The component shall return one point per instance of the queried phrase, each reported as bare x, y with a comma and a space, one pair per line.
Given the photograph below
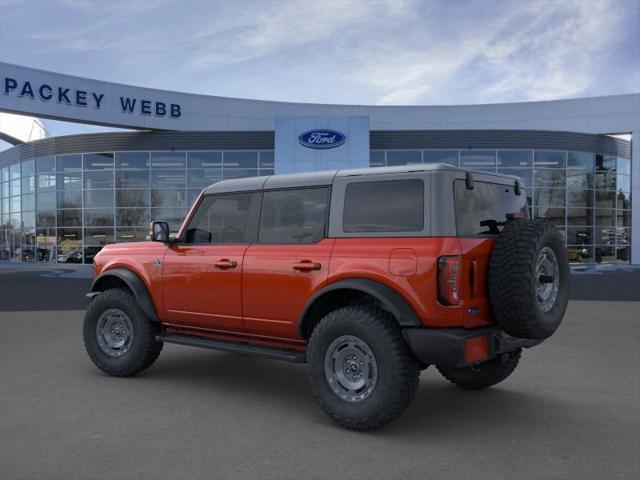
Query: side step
294, 356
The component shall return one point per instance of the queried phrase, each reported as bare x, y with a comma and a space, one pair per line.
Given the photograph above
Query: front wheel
119, 338
484, 375
360, 369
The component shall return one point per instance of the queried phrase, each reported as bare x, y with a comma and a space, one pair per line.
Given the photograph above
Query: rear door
202, 275
289, 261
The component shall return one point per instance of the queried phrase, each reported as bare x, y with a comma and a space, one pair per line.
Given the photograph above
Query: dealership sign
322, 138
65, 95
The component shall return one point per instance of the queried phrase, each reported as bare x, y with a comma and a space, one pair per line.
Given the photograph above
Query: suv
366, 275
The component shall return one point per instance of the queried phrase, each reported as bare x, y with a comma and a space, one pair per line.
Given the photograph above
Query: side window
384, 206
294, 215
227, 218
486, 202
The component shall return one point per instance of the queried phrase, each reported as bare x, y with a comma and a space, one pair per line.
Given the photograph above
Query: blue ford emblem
322, 138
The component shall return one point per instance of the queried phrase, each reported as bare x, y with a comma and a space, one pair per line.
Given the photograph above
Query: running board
294, 356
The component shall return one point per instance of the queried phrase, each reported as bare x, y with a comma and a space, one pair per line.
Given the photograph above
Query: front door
202, 274
288, 263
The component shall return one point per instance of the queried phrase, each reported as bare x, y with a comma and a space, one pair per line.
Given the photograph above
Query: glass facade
65, 208
585, 195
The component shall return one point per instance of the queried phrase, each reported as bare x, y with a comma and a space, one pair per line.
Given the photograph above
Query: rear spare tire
529, 279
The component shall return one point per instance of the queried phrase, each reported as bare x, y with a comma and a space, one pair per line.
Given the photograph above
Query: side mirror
159, 232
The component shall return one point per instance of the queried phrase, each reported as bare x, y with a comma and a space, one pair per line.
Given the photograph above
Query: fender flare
135, 284
388, 298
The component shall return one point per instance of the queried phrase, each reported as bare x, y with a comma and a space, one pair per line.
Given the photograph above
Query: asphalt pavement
570, 411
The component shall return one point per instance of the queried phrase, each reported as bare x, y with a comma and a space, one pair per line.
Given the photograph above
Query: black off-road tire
484, 375
143, 350
513, 281
398, 371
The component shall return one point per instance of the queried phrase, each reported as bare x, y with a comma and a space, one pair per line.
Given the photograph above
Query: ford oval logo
322, 138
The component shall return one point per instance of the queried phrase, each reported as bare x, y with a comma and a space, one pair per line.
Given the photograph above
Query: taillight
449, 280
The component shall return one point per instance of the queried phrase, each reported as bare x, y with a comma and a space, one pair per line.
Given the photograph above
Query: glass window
14, 171
583, 160
239, 172
46, 181
97, 217
623, 218
69, 162
623, 166
515, 158
132, 160
28, 184
487, 201
46, 218
5, 174
606, 180
168, 179
28, 168
132, 179
29, 202
228, 218
98, 199
579, 179
168, 159
478, 159
204, 159
402, 210
605, 163
555, 215
14, 187
580, 254
549, 159
605, 217
98, 161
549, 197
70, 218
98, 179
624, 183
203, 178
549, 178
266, 159
240, 159
579, 216
69, 245
605, 255
169, 198
580, 235
133, 216
376, 158
526, 174
440, 156
14, 204
29, 220
98, 236
192, 196
293, 216
605, 235
623, 254
624, 200
133, 198
67, 199
132, 234
605, 199
46, 201
403, 157
580, 198
71, 180
46, 165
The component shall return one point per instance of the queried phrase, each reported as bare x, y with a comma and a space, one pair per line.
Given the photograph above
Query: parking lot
570, 411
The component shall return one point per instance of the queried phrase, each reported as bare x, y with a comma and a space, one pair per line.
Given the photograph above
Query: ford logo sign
322, 138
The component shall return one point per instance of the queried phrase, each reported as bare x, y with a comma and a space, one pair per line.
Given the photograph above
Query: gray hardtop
326, 178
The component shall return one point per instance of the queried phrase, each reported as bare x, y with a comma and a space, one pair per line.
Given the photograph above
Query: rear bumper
448, 347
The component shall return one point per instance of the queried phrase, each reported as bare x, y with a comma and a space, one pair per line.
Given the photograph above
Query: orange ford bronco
366, 275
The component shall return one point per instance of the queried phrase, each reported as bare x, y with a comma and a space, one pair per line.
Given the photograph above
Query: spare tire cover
529, 279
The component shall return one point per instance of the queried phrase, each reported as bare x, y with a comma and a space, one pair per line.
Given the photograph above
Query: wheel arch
346, 291
123, 277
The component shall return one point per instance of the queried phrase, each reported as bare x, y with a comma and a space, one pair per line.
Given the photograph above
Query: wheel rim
114, 332
547, 278
350, 368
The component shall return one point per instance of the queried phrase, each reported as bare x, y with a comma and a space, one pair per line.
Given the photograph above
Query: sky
393, 52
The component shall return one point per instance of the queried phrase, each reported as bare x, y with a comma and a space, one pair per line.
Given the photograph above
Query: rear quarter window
487, 201
384, 206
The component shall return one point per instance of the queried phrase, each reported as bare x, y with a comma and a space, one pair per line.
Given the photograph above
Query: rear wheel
119, 338
360, 368
484, 375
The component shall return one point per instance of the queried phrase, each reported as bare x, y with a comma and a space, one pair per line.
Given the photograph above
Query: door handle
225, 264
306, 266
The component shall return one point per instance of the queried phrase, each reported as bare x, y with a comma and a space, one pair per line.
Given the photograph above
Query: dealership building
64, 198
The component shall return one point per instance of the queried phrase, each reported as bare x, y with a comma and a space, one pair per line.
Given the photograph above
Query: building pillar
635, 197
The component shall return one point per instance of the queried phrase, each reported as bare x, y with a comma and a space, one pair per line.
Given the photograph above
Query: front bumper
452, 347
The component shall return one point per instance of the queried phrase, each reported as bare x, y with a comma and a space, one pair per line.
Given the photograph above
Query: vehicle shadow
438, 406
